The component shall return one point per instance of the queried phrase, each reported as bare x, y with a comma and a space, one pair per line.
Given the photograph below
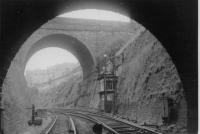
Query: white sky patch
96, 15
48, 57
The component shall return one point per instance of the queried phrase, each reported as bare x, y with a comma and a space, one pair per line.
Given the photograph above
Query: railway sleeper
116, 124
126, 130
120, 127
129, 133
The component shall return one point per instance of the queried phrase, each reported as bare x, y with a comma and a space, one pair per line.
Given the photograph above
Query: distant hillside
41, 76
62, 91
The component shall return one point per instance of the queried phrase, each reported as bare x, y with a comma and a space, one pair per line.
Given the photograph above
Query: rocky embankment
149, 87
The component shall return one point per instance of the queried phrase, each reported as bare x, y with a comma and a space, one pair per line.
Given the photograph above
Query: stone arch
77, 48
17, 95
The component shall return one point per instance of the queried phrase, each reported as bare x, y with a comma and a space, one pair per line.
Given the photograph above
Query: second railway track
112, 124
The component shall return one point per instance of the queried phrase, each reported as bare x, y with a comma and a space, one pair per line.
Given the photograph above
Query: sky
50, 56
96, 15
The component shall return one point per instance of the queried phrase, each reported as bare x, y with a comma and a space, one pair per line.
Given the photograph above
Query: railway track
110, 119
50, 126
61, 124
117, 126
113, 125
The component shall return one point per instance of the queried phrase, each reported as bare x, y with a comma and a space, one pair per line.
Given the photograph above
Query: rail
97, 117
91, 119
116, 119
73, 125
49, 127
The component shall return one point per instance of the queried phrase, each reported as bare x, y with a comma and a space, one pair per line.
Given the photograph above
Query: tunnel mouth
51, 65
69, 43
